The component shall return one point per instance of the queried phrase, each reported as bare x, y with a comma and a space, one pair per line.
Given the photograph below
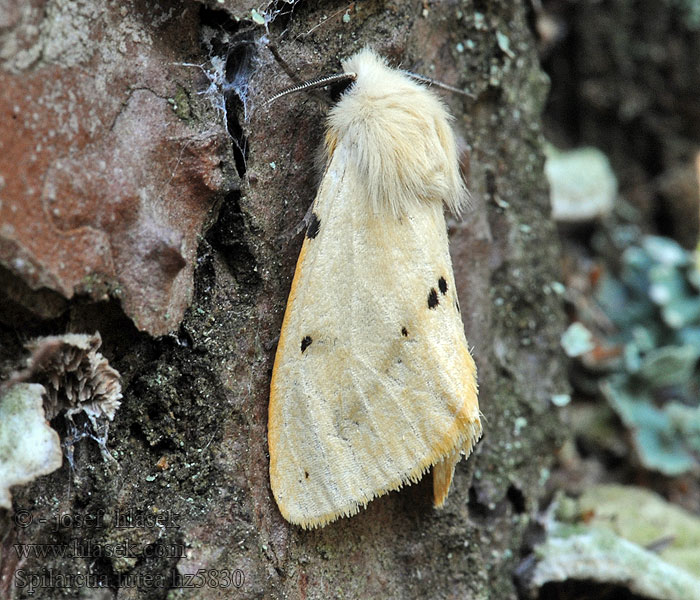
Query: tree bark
189, 442
626, 79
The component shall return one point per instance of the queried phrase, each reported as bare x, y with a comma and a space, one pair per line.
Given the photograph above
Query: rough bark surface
189, 442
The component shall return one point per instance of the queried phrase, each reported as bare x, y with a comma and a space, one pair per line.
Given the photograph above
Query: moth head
394, 132
398, 135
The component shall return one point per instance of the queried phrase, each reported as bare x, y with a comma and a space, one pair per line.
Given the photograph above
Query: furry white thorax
397, 135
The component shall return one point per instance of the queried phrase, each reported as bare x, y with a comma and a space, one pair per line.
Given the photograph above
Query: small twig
337, 12
283, 63
660, 544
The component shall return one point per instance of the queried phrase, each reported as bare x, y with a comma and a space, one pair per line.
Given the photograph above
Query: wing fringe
442, 455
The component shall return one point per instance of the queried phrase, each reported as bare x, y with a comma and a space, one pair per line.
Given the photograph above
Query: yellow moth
373, 382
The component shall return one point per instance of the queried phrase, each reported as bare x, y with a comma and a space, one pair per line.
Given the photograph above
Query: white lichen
29, 448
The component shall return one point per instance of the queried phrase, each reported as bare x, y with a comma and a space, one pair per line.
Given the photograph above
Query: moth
373, 383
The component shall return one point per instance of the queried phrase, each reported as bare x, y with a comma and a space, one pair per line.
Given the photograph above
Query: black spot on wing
442, 284
314, 226
306, 474
404, 332
305, 343
433, 298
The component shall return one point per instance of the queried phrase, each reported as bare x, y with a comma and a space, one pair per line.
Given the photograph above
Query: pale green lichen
258, 19
582, 184
613, 546
598, 555
691, 12
655, 304
181, 105
577, 340
644, 518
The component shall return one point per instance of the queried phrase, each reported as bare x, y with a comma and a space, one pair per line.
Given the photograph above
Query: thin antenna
313, 84
335, 14
444, 86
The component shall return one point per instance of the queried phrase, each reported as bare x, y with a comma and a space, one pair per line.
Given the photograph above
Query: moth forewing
373, 382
